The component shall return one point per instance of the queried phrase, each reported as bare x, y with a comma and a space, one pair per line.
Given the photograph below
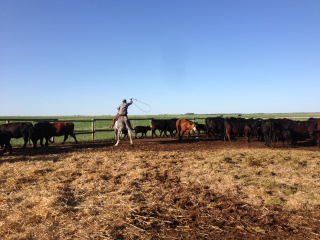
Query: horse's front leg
119, 136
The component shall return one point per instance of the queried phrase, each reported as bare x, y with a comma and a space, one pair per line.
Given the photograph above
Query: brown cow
318, 122
185, 126
63, 129
316, 136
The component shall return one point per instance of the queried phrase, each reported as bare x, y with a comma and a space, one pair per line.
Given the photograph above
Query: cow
161, 125
185, 126
63, 129
142, 129
123, 124
256, 129
171, 127
316, 136
237, 126
18, 130
214, 126
318, 122
266, 131
201, 127
303, 129
5, 138
40, 131
283, 130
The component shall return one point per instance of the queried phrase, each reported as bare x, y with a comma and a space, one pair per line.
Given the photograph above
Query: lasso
142, 103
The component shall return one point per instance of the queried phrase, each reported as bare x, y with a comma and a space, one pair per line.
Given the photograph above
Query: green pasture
83, 124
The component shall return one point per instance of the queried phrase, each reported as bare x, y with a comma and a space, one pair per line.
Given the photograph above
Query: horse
121, 125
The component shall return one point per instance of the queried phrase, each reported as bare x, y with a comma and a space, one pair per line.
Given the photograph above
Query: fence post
93, 128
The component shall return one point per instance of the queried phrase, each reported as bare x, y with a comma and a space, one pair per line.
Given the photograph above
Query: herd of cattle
268, 130
39, 131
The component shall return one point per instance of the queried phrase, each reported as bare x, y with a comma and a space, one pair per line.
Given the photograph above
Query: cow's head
194, 127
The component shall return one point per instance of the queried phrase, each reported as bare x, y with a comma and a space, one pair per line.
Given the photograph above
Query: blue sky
218, 56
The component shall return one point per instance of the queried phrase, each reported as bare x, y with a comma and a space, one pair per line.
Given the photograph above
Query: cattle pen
98, 127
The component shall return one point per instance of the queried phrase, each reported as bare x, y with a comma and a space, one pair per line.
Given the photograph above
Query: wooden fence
93, 123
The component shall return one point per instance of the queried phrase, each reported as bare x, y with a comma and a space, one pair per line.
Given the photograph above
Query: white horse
122, 124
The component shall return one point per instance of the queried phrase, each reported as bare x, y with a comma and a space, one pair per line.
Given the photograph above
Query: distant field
103, 122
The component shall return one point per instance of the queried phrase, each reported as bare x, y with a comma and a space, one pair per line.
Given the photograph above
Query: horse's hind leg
130, 137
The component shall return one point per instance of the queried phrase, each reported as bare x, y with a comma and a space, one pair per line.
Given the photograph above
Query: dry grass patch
161, 194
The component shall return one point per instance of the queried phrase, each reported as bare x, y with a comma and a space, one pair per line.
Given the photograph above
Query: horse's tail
128, 126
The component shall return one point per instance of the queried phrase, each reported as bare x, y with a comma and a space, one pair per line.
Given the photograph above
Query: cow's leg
4, 149
229, 137
10, 148
25, 142
74, 137
181, 135
188, 133
154, 132
34, 142
65, 138
47, 142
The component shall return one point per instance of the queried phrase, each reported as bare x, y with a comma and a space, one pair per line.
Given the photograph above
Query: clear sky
217, 56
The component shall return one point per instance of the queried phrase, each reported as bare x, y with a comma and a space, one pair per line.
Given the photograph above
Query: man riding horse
122, 111
121, 122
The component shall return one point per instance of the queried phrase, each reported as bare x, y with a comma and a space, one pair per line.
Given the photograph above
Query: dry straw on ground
149, 194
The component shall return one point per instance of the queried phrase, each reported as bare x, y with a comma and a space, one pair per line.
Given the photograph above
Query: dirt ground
210, 215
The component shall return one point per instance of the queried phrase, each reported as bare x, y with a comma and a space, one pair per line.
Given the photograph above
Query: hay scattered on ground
135, 194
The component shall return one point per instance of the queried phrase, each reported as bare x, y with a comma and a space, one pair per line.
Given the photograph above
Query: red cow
185, 126
63, 129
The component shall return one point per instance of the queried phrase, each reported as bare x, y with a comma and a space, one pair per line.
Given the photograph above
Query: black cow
18, 130
266, 131
171, 127
316, 136
256, 129
303, 129
163, 126
40, 131
201, 127
283, 130
5, 138
160, 125
215, 126
142, 129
